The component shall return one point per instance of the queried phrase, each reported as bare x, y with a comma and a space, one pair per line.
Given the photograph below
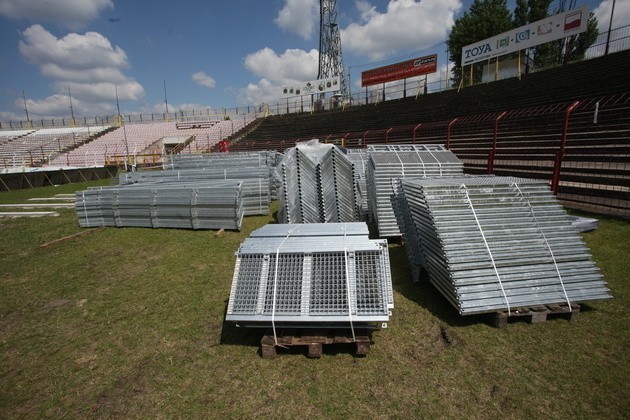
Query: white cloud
59, 105
72, 14
406, 25
256, 93
202, 79
88, 64
299, 17
275, 71
290, 66
621, 17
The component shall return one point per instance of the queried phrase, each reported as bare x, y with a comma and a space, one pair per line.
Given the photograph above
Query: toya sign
416, 67
545, 30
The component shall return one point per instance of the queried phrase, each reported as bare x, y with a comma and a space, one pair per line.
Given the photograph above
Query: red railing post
495, 135
413, 138
448, 132
387, 135
555, 181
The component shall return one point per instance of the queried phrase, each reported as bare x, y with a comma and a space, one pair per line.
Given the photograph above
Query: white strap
275, 284
531, 210
260, 195
87, 219
402, 165
487, 247
436, 159
424, 171
345, 255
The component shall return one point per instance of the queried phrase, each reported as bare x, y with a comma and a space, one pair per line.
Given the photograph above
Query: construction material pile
311, 275
255, 194
388, 164
264, 162
317, 185
214, 204
359, 159
497, 243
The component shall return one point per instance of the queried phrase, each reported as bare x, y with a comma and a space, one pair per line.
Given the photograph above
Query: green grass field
129, 323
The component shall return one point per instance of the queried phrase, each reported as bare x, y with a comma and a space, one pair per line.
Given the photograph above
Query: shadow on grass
233, 335
425, 294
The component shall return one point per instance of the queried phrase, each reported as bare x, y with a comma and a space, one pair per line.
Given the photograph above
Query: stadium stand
568, 125
112, 147
586, 79
38, 147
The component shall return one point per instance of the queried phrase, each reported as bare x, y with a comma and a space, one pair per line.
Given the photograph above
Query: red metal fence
582, 148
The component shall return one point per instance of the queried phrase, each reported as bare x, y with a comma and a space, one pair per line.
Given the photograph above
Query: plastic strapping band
424, 171
436, 159
488, 248
275, 284
87, 219
260, 195
402, 165
531, 210
345, 255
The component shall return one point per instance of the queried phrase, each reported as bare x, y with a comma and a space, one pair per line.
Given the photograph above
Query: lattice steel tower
330, 58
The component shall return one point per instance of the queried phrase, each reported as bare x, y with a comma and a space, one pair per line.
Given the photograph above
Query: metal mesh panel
369, 283
326, 273
246, 291
491, 243
328, 284
288, 284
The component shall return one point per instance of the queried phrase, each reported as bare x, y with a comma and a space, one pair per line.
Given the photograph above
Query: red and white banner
416, 67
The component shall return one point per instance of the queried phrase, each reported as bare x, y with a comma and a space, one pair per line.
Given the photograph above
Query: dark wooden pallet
539, 313
314, 339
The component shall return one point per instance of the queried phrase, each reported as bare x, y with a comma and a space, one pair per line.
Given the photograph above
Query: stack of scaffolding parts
388, 164
244, 161
317, 185
324, 276
214, 204
498, 244
359, 159
256, 197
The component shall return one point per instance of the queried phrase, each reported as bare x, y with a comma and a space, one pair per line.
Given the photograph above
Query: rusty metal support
555, 181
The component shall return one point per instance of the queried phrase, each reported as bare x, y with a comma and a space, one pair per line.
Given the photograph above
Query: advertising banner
545, 30
314, 86
416, 67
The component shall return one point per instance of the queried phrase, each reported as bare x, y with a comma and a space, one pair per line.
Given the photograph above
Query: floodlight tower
330, 59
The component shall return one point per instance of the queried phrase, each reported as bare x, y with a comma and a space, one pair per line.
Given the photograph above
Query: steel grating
255, 192
317, 185
214, 204
388, 164
327, 275
260, 164
495, 243
359, 159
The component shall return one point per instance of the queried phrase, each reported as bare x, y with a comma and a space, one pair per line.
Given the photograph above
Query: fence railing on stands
619, 40
582, 148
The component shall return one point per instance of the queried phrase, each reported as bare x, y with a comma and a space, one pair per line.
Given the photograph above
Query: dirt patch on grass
56, 303
113, 401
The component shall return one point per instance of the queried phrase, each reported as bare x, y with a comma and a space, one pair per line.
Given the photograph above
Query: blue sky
211, 53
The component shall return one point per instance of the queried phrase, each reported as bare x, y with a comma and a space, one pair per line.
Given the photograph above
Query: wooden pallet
314, 339
539, 313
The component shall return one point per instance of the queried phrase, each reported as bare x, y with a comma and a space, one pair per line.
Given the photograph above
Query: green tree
576, 45
484, 19
528, 11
